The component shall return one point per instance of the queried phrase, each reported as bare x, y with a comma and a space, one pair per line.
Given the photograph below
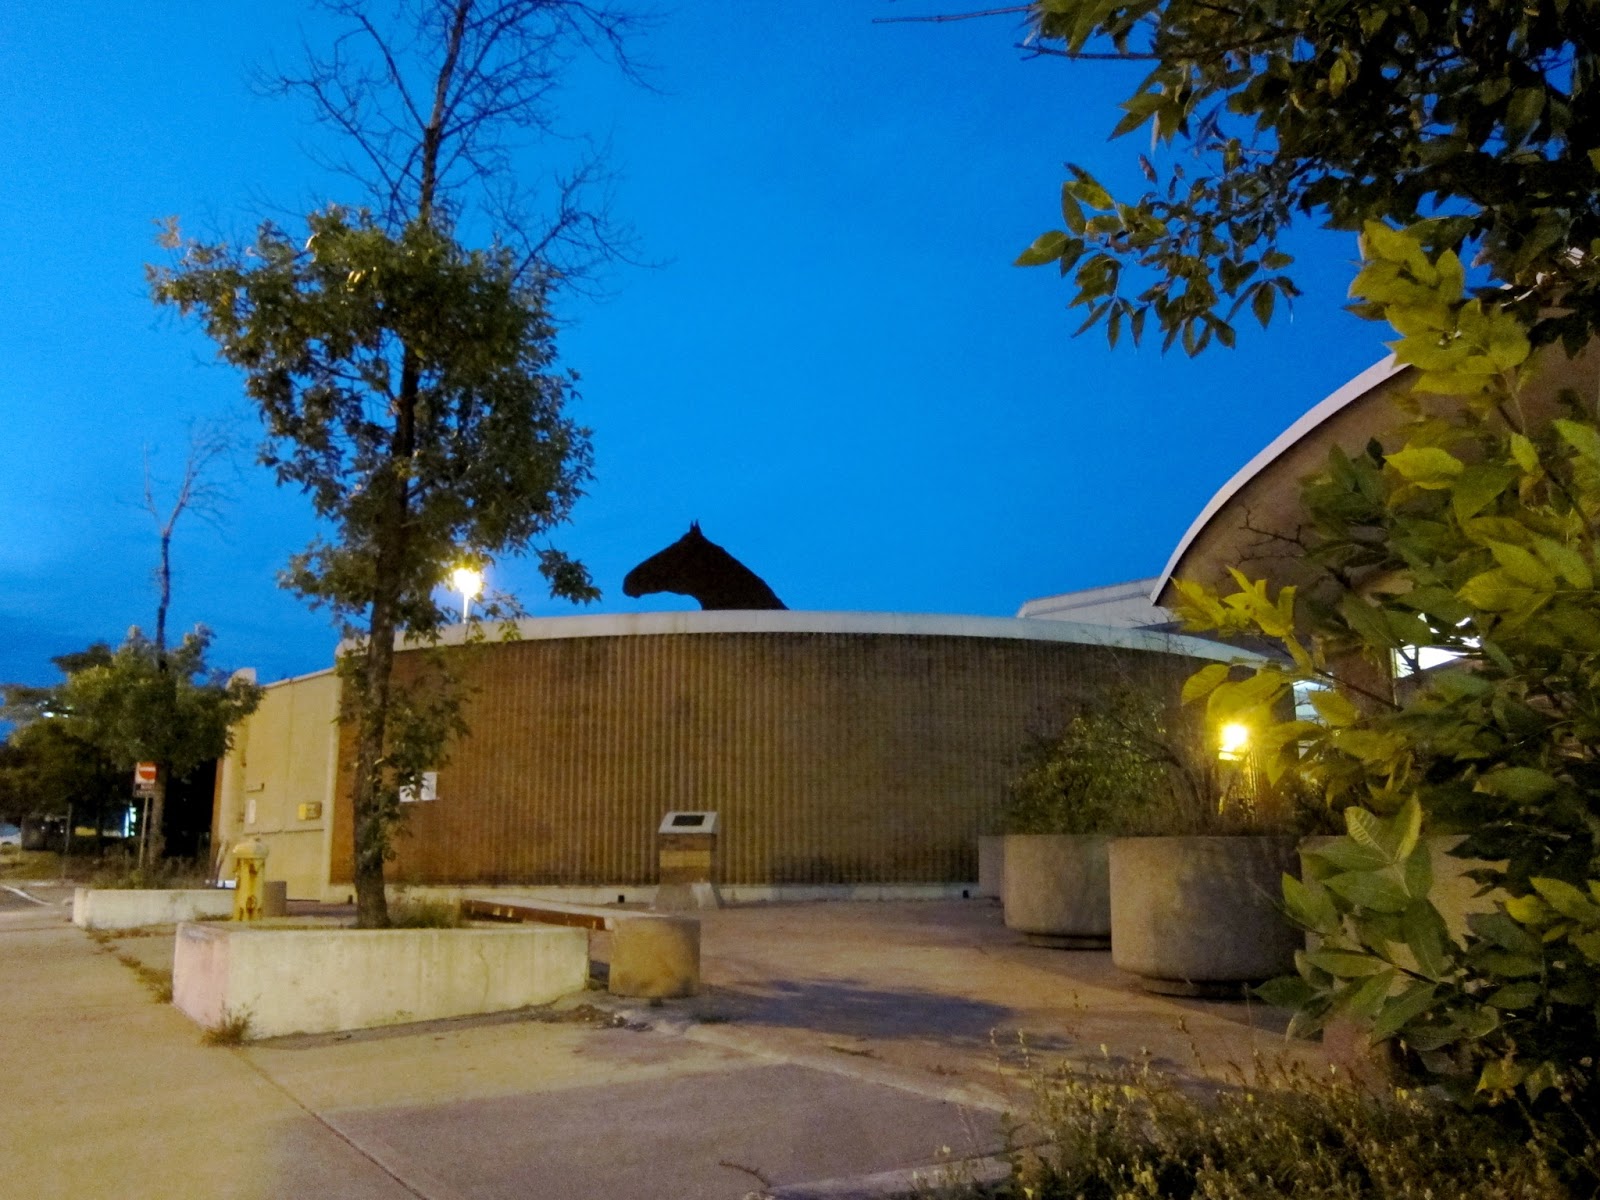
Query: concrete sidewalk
835, 1042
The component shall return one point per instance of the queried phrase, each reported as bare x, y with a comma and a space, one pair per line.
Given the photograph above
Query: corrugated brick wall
832, 758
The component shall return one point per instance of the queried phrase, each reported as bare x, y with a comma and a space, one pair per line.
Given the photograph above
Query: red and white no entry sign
144, 777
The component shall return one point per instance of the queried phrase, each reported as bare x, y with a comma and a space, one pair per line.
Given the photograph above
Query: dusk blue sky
833, 367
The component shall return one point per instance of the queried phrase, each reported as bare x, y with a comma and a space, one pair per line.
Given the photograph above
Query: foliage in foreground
1131, 1132
1465, 548
1478, 113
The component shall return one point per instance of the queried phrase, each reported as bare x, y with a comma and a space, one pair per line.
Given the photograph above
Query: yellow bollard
250, 868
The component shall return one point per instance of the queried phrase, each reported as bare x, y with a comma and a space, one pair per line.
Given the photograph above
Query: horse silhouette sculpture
696, 566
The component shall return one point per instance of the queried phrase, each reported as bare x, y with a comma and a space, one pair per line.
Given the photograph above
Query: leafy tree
49, 765
1469, 537
1477, 118
408, 383
147, 703
77, 741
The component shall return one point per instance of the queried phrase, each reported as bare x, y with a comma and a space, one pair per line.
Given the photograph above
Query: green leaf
1522, 785
1426, 466
1583, 438
1334, 707
1367, 621
1400, 833
1262, 301
1204, 681
1567, 900
1524, 453
1308, 907
1364, 1001
1494, 591
1477, 486
1419, 873
1348, 855
1522, 111
1046, 248
1427, 938
1515, 995
1071, 210
1366, 829
1565, 561
1399, 1011
1343, 964
1523, 567
1500, 930
1370, 889
1286, 991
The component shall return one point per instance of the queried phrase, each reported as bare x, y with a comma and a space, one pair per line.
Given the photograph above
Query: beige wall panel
833, 758
282, 758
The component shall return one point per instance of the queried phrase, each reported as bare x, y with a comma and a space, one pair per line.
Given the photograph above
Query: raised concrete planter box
1057, 889
131, 908
1202, 915
320, 980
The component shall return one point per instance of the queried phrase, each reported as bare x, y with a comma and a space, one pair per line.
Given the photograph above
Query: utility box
687, 843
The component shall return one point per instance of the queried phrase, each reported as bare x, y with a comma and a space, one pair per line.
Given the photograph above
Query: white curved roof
1334, 403
898, 624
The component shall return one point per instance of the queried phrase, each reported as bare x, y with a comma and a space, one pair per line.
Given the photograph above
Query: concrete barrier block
133, 908
322, 980
655, 957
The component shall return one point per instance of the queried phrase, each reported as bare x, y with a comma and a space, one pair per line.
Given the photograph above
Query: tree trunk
155, 836
367, 810
371, 836
376, 676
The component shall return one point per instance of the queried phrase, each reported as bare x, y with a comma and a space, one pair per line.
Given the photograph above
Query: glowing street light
469, 582
1232, 741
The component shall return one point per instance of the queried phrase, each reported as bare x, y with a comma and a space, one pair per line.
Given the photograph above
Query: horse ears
694, 526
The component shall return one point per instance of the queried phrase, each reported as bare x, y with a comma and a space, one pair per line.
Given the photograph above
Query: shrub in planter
1133, 764
1111, 770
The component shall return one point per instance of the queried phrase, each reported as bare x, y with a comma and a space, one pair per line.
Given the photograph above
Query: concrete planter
1201, 916
132, 908
991, 866
320, 980
1057, 889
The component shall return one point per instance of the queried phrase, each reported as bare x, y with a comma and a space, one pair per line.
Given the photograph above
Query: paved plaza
836, 1047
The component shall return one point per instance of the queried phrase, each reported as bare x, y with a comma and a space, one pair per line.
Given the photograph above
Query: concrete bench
651, 955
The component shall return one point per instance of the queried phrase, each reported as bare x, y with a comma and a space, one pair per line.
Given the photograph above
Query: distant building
846, 753
1119, 605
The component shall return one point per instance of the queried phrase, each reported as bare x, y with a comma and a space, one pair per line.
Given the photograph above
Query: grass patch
232, 1030
1133, 1132
34, 865
125, 873
157, 979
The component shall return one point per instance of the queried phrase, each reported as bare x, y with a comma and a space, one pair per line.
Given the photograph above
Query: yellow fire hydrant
249, 872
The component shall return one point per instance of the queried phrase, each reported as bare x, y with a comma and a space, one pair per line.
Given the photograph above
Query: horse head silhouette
696, 566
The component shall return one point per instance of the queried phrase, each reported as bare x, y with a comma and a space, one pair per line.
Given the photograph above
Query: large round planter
1201, 916
1057, 889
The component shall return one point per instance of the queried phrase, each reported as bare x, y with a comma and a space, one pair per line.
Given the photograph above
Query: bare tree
198, 491
432, 104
